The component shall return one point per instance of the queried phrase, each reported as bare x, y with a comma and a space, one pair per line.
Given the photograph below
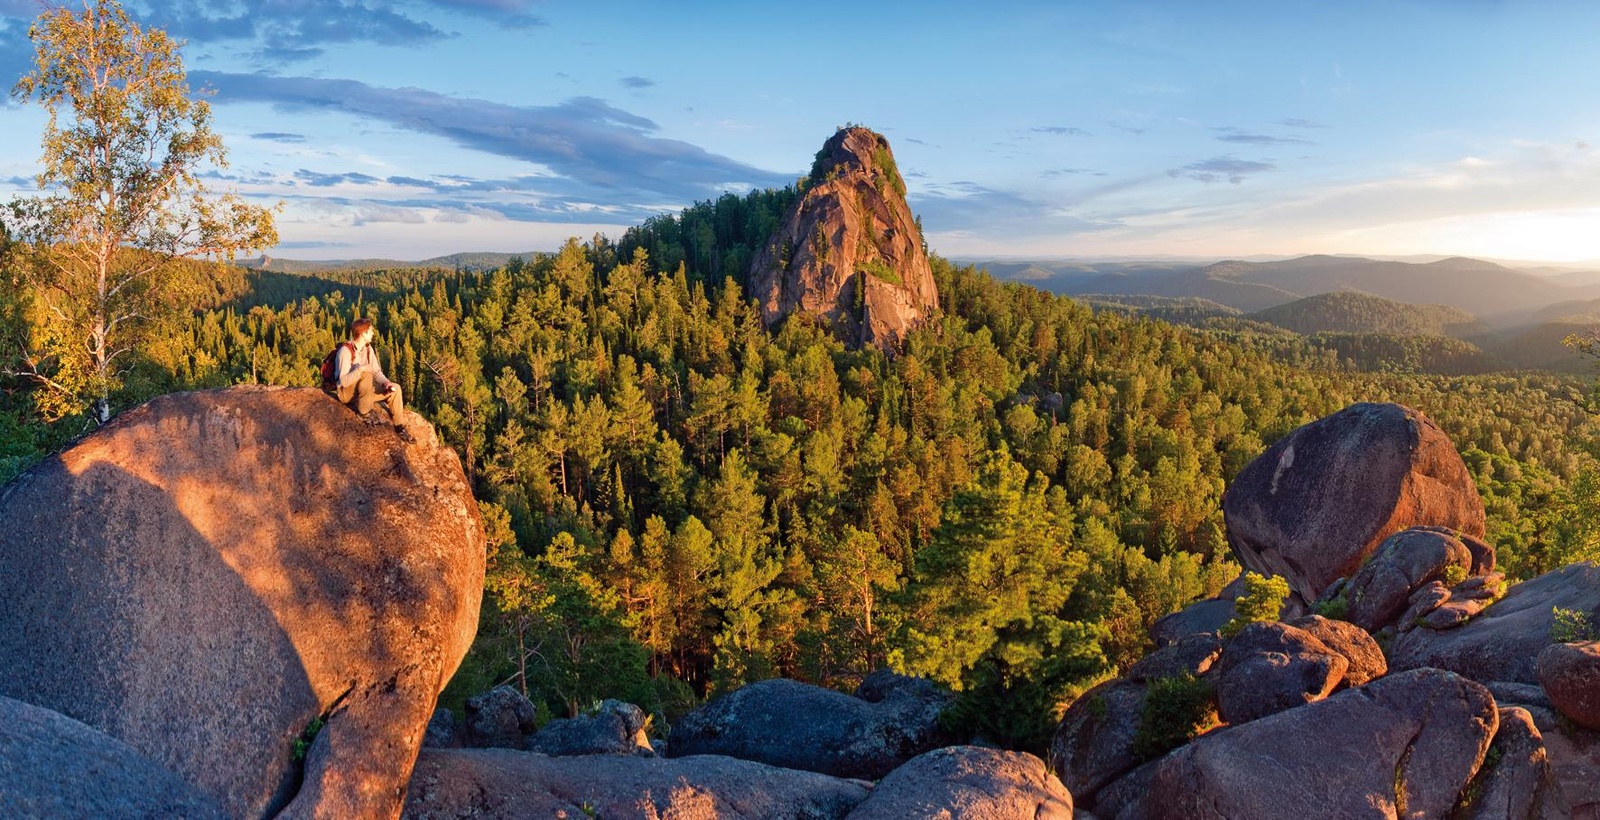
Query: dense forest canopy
680, 500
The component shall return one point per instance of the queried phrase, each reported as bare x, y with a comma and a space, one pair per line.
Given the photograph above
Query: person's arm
380, 382
347, 366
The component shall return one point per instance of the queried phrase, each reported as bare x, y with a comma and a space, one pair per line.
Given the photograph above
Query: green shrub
1336, 609
881, 269
1454, 574
1569, 625
302, 744
1261, 602
1176, 710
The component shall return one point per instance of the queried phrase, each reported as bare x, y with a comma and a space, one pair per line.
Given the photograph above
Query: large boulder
1321, 499
210, 572
1516, 780
1378, 594
1504, 641
799, 726
54, 766
1192, 655
1365, 656
1569, 673
970, 782
1199, 618
849, 252
1404, 745
501, 783
616, 728
1270, 667
1574, 754
500, 718
1094, 743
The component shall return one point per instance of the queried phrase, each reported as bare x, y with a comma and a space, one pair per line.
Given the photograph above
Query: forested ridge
680, 501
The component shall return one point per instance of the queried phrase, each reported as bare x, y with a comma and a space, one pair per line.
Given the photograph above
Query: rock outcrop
1504, 641
212, 571
1379, 593
1518, 782
799, 726
850, 252
500, 718
1095, 742
616, 728
1569, 673
54, 766
1404, 745
969, 782
1364, 656
502, 783
1321, 499
1270, 667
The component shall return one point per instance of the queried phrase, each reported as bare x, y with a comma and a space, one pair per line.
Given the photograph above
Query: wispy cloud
1126, 129
321, 180
292, 30
1061, 172
637, 82
1295, 122
279, 136
979, 209
1219, 168
1243, 137
1061, 131
594, 147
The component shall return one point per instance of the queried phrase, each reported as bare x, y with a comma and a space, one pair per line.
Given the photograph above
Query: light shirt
350, 367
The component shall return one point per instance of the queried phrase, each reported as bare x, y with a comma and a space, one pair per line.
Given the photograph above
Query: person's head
360, 328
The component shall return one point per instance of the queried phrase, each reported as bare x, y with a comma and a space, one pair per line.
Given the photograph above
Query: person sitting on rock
360, 383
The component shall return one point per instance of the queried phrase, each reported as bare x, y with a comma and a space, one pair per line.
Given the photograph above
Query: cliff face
850, 252
210, 572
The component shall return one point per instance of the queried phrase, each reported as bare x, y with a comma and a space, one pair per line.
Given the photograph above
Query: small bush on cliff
1571, 625
1176, 710
1335, 609
1262, 601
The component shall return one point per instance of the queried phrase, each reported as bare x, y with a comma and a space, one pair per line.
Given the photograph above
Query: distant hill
471, 261
1539, 346
1495, 293
1178, 311
1352, 312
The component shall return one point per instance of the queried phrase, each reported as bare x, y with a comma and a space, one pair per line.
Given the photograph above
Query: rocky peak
850, 252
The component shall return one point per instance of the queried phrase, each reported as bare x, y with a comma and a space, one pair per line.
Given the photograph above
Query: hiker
356, 379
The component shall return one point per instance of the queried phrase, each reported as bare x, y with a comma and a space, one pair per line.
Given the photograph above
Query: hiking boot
404, 434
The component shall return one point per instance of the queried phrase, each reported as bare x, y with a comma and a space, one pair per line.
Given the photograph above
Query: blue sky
415, 128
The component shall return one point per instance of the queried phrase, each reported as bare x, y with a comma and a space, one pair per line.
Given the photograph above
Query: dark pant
362, 395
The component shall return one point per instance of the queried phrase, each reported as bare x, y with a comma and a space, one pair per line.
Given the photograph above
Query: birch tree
122, 214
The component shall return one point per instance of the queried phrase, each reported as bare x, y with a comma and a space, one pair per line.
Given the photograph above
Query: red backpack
330, 363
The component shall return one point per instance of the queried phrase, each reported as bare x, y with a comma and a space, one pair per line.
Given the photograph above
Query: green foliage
680, 500
885, 163
1453, 574
1571, 625
1176, 711
1261, 602
122, 205
303, 741
881, 269
1337, 608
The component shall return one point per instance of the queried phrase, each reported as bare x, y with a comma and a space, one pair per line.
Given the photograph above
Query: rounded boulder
211, 572
1569, 673
1320, 500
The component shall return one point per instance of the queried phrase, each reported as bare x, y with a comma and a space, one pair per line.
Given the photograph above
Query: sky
407, 129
